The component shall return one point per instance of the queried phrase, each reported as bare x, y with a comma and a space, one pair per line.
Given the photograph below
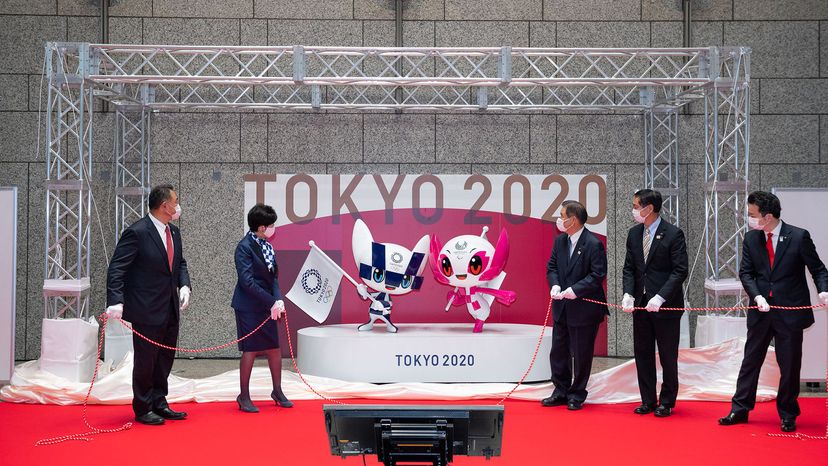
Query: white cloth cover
117, 342
713, 329
708, 374
68, 348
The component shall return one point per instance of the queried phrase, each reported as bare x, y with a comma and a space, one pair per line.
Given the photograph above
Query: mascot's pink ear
501, 254
434, 260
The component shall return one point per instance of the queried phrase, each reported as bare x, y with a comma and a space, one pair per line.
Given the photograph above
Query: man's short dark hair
647, 197
261, 215
159, 194
767, 203
577, 210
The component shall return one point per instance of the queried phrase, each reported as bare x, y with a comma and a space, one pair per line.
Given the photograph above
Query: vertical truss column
132, 165
661, 158
727, 151
68, 190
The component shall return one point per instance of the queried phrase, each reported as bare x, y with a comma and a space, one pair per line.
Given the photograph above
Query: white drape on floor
707, 373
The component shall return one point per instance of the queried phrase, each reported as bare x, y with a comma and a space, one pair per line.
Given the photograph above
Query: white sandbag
69, 348
117, 341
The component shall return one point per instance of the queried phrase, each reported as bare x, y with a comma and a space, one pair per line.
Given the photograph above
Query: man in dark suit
147, 284
655, 268
578, 266
774, 257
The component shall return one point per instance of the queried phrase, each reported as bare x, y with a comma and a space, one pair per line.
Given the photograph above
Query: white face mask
637, 216
753, 223
177, 213
269, 231
561, 225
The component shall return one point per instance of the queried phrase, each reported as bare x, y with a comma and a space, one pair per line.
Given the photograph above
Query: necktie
769, 247
169, 248
571, 247
646, 243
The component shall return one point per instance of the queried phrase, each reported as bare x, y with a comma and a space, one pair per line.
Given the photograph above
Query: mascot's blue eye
379, 274
407, 281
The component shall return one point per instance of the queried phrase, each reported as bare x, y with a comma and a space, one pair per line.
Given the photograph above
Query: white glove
568, 294
115, 311
184, 297
555, 292
628, 303
761, 303
362, 290
655, 303
823, 298
277, 310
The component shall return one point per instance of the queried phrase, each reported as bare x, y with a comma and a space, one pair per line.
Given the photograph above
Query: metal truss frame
661, 156
300, 77
69, 113
727, 157
132, 165
140, 79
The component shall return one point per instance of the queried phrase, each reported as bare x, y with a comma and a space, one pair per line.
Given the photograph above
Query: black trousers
571, 359
152, 365
788, 346
650, 330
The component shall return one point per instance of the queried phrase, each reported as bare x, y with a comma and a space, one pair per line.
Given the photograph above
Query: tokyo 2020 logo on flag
316, 287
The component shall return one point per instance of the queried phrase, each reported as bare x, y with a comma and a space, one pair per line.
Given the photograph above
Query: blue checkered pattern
267, 251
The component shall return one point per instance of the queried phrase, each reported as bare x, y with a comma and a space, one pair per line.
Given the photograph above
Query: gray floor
200, 368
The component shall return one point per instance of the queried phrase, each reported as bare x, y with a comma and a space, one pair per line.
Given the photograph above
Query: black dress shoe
788, 425
663, 411
644, 408
167, 413
574, 405
150, 419
553, 401
734, 418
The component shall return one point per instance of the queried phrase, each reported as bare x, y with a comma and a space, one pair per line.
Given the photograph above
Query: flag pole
313, 245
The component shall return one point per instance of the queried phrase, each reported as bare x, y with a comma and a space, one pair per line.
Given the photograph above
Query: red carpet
218, 434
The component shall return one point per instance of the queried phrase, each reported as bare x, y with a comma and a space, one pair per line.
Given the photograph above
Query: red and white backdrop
402, 208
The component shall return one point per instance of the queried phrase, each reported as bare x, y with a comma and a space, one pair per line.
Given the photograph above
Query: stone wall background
206, 154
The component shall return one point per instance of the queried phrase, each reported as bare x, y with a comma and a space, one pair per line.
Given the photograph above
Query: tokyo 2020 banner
402, 208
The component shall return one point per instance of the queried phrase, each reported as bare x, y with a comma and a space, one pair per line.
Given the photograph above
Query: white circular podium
425, 353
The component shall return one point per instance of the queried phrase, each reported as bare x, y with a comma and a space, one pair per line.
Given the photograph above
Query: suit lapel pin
579, 251
658, 236
781, 239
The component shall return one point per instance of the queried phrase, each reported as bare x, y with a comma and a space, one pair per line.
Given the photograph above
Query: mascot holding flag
388, 269
475, 268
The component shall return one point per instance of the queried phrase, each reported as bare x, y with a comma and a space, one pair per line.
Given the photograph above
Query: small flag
316, 285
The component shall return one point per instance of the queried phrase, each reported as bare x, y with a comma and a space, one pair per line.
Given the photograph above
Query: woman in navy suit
256, 297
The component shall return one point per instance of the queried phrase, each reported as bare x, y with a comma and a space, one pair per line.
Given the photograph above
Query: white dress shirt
573, 240
162, 230
653, 227
775, 237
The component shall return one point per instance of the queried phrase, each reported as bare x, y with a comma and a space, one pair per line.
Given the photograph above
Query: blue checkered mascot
387, 270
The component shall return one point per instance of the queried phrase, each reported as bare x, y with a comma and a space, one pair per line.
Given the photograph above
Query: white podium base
425, 353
